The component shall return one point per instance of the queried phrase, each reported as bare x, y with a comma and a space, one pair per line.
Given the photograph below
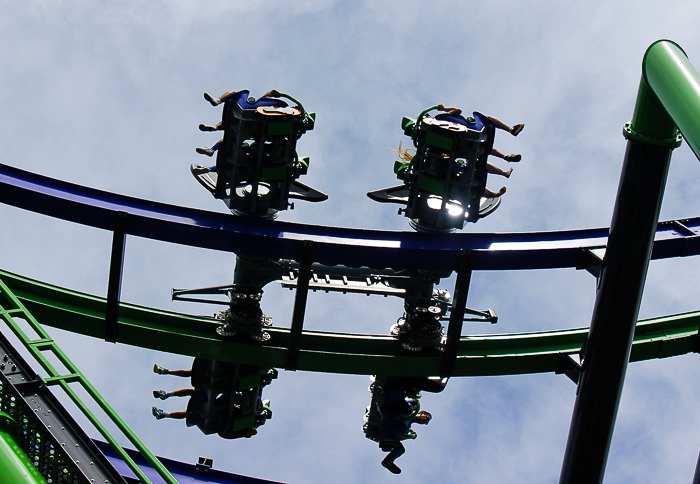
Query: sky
110, 95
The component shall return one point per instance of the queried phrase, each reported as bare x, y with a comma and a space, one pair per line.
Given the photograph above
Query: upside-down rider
477, 121
187, 392
399, 411
265, 99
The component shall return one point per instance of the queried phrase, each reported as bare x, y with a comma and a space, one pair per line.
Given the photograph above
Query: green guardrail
11, 306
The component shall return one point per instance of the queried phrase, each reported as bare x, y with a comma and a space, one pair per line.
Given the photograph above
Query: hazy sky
110, 96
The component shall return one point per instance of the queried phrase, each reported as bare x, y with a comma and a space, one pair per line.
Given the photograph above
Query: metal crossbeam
359, 284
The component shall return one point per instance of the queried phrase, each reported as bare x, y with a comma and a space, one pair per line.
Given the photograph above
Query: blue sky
110, 96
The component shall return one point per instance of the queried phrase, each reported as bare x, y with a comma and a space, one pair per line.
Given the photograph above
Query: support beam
696, 478
591, 260
302, 292
615, 313
669, 96
459, 303
114, 285
569, 365
668, 87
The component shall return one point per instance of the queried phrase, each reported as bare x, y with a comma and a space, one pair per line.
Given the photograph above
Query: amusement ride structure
237, 352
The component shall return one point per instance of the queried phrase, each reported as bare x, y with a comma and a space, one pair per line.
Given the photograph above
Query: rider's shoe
162, 394
393, 468
158, 413
205, 151
214, 101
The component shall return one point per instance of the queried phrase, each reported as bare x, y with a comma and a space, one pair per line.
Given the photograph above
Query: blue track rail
182, 472
332, 245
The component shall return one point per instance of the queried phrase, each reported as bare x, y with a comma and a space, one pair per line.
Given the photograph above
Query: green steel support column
15, 466
668, 97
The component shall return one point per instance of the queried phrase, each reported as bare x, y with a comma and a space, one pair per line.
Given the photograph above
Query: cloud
111, 96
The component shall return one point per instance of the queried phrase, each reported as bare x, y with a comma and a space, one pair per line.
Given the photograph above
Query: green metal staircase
49, 437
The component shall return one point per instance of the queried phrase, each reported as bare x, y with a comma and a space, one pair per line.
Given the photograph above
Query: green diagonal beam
507, 354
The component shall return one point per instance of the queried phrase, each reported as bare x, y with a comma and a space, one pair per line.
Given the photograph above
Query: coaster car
444, 182
391, 411
228, 398
257, 164
395, 402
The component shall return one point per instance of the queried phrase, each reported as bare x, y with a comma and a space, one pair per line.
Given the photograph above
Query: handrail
45, 342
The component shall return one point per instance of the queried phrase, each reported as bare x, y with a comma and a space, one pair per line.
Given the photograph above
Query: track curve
332, 245
506, 354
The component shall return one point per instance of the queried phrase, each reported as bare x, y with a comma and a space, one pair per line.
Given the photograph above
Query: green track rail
507, 354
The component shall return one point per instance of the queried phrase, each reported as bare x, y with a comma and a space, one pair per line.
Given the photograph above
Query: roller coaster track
505, 354
319, 351
668, 102
332, 245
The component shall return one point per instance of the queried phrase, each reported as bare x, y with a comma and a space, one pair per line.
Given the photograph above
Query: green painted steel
507, 354
45, 343
668, 99
15, 466
56, 463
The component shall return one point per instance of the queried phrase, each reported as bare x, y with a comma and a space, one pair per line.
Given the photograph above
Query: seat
389, 414
444, 182
257, 164
228, 396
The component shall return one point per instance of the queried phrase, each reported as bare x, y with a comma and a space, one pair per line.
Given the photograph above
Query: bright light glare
454, 208
247, 190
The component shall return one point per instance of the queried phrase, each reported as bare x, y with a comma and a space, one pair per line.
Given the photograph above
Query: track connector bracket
591, 260
570, 365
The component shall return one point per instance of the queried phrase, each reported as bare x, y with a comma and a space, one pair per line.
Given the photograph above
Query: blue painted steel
183, 473
243, 99
332, 245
